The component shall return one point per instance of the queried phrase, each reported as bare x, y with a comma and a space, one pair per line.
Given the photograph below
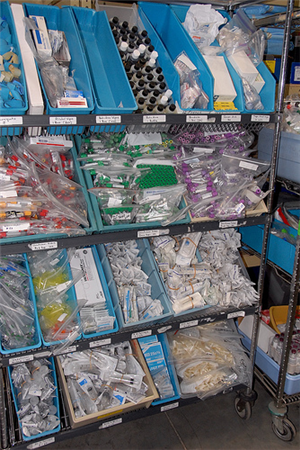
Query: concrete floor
212, 424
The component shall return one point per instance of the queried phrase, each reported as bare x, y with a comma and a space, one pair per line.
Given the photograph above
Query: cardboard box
152, 394
40, 36
224, 90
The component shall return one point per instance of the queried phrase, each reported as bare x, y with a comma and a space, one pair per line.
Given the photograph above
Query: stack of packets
11, 90
135, 292
37, 193
211, 278
156, 362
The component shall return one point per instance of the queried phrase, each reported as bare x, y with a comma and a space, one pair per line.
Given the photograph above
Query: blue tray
78, 178
37, 337
190, 47
158, 292
72, 300
107, 297
162, 338
175, 39
63, 20
271, 368
267, 94
110, 83
5, 12
130, 226
55, 403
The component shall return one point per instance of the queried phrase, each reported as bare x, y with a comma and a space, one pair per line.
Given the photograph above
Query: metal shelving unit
10, 434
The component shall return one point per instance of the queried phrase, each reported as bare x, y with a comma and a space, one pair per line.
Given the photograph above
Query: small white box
41, 38
265, 333
259, 83
243, 66
224, 90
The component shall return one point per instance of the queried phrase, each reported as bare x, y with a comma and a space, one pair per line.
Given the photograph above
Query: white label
204, 150
41, 443
61, 287
8, 193
297, 73
71, 349
113, 202
62, 120
11, 120
231, 118
164, 329
4, 177
236, 314
108, 119
240, 207
154, 118
99, 343
151, 233
248, 165
111, 423
196, 118
191, 323
43, 245
42, 355
140, 334
184, 58
62, 317
168, 407
20, 227
228, 224
260, 118
20, 359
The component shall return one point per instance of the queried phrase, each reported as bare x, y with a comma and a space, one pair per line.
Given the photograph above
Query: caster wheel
242, 408
288, 431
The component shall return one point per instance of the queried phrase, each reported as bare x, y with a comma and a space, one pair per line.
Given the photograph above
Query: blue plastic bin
37, 337
113, 94
162, 338
157, 291
63, 20
55, 402
71, 300
280, 252
5, 13
109, 304
78, 178
271, 368
288, 158
108, 228
174, 38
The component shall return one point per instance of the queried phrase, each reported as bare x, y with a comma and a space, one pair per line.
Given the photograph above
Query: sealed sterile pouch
114, 197
234, 164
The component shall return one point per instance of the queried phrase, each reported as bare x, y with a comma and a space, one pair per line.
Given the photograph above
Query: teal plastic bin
175, 40
5, 13
267, 94
112, 92
62, 19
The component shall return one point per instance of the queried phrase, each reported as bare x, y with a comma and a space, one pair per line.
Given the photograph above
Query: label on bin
196, 118
231, 118
11, 120
43, 245
41, 443
168, 407
191, 323
260, 118
228, 224
108, 119
111, 423
20, 359
140, 334
151, 233
154, 118
62, 120
236, 314
100, 342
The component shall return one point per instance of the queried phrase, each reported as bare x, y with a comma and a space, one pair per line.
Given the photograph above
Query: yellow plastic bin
278, 315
